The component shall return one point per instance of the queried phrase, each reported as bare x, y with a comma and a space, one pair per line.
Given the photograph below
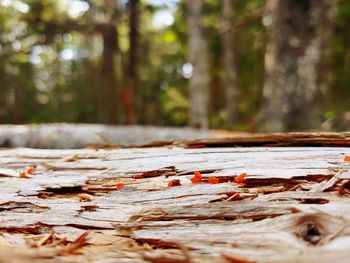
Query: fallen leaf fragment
120, 186
347, 158
175, 182
240, 179
197, 178
23, 175
213, 180
233, 258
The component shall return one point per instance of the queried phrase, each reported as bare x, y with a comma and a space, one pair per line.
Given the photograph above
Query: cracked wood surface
294, 205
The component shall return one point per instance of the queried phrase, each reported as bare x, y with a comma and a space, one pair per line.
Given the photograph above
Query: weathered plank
293, 205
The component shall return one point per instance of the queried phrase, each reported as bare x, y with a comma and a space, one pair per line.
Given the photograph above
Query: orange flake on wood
175, 182
213, 180
240, 179
120, 186
347, 158
197, 178
23, 175
30, 170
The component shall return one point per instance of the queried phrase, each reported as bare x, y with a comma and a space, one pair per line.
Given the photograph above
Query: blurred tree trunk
299, 32
129, 94
230, 72
108, 97
215, 94
17, 104
3, 92
198, 55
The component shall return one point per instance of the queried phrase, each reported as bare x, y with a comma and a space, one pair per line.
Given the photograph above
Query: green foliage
50, 60
340, 58
174, 106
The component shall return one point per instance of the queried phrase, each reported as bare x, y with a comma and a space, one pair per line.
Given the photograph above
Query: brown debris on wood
254, 204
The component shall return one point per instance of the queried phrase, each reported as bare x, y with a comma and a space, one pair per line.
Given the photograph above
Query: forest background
248, 65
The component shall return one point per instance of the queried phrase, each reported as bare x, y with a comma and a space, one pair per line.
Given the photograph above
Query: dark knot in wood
310, 229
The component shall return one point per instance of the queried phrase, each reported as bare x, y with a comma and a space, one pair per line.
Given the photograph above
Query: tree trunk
108, 97
293, 57
230, 77
17, 104
215, 93
198, 55
3, 92
129, 95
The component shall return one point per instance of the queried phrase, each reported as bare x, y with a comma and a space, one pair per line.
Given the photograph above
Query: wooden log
101, 205
66, 135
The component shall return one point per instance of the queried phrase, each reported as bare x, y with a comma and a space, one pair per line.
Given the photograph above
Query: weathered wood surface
66, 135
74, 136
293, 207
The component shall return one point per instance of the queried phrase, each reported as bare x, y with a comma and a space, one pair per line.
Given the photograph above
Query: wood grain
293, 207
